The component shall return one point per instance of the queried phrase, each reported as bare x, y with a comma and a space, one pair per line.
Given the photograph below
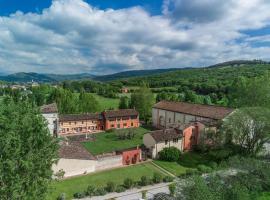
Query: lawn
109, 142
173, 167
79, 184
106, 103
265, 196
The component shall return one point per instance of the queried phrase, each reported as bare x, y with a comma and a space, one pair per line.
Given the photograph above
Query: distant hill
43, 78
246, 67
133, 73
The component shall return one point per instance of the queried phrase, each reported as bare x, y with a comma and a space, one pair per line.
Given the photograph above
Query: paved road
135, 194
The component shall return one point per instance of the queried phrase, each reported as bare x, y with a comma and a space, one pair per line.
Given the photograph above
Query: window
82, 122
166, 142
118, 125
63, 130
132, 124
75, 123
175, 140
67, 129
69, 123
112, 125
125, 124
169, 120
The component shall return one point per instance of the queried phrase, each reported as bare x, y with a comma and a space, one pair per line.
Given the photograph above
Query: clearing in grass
172, 167
100, 179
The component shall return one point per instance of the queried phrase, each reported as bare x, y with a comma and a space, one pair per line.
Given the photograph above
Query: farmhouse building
95, 122
50, 113
166, 114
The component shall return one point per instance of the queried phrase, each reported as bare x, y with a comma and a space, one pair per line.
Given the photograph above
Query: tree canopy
27, 151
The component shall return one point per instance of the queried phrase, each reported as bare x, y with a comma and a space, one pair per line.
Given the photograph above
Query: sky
107, 36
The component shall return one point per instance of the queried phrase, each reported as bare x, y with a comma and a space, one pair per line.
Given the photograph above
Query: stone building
50, 113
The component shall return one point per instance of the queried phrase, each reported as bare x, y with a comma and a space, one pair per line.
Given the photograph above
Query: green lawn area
109, 142
106, 103
79, 184
173, 167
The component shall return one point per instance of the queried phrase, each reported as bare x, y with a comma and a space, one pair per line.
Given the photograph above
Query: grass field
173, 167
192, 159
108, 142
79, 184
106, 103
265, 196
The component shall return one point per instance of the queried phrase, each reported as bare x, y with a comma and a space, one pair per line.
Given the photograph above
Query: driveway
135, 194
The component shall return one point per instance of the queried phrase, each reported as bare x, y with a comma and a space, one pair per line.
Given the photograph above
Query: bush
144, 194
61, 196
172, 188
191, 171
167, 179
213, 165
128, 183
111, 186
79, 195
120, 188
100, 192
157, 178
90, 191
204, 169
171, 154
145, 181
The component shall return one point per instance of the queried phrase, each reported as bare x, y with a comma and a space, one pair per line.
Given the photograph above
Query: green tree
249, 128
124, 102
251, 92
87, 103
27, 152
142, 100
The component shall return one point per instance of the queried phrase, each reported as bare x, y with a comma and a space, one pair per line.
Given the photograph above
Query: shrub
157, 178
61, 196
128, 183
204, 169
100, 192
111, 186
90, 191
191, 171
79, 195
172, 188
213, 165
120, 188
60, 174
144, 181
167, 179
144, 194
171, 154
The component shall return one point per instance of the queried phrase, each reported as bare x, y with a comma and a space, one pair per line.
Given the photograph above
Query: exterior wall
74, 167
170, 143
189, 138
131, 156
52, 119
154, 117
121, 122
79, 126
109, 162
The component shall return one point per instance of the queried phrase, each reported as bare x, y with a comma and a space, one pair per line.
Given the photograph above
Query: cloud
71, 36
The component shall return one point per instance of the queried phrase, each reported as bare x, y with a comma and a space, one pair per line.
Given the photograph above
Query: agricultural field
79, 184
108, 141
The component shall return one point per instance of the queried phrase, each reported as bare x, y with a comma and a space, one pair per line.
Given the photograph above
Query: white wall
161, 145
74, 167
51, 118
109, 162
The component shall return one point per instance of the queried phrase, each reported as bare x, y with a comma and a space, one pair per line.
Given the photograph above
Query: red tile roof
79, 117
207, 111
74, 150
50, 108
166, 134
120, 113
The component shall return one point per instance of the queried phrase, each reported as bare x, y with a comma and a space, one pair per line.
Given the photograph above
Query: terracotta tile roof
74, 150
208, 111
79, 117
50, 108
166, 134
120, 113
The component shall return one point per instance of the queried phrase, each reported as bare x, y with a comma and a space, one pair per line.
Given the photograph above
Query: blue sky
107, 36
